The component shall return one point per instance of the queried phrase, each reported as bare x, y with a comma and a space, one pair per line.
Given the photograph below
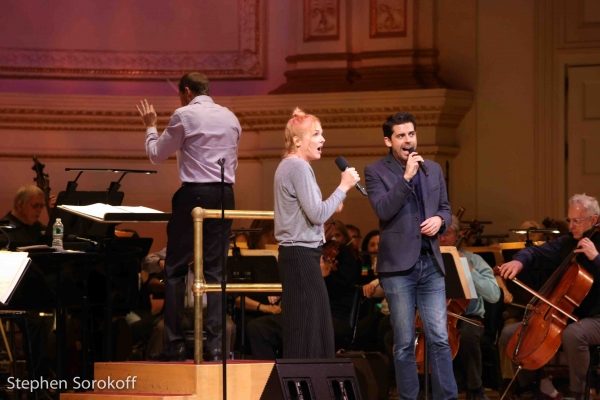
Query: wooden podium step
174, 381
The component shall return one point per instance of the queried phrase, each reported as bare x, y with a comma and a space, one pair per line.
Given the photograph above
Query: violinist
577, 337
408, 195
469, 350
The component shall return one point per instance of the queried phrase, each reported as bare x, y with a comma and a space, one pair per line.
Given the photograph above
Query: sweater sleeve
309, 196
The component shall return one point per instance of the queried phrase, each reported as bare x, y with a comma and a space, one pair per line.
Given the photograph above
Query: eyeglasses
38, 206
576, 221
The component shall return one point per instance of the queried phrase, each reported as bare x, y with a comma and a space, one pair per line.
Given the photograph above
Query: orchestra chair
13, 316
510, 249
491, 254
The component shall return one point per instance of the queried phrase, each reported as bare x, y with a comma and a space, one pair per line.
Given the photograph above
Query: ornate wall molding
246, 62
432, 107
247, 155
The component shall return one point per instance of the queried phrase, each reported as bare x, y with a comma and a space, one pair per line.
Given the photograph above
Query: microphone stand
224, 354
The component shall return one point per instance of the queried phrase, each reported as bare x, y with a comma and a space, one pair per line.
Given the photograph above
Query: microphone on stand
342, 164
421, 163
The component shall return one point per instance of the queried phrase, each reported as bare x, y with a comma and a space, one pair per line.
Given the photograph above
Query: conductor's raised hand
510, 269
147, 113
412, 165
349, 178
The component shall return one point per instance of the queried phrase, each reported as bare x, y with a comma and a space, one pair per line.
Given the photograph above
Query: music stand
251, 266
76, 225
529, 242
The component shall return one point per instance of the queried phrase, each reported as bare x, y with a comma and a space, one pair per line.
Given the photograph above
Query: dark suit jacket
400, 233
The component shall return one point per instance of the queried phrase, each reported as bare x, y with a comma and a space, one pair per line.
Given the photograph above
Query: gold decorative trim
247, 62
418, 53
432, 107
248, 155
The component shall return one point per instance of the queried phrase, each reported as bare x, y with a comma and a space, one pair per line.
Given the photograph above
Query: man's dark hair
197, 82
397, 119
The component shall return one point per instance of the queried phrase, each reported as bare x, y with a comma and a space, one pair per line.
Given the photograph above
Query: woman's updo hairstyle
299, 125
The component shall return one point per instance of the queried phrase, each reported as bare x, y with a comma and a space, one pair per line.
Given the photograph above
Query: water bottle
57, 234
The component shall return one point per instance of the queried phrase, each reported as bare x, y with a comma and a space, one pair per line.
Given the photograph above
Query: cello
43, 181
454, 310
538, 338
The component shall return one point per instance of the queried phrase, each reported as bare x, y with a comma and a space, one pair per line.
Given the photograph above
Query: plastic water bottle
57, 234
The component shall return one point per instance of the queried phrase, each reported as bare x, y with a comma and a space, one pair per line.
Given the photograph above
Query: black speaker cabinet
312, 379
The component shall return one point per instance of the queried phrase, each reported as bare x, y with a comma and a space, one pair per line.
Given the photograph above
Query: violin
42, 180
538, 338
331, 248
454, 310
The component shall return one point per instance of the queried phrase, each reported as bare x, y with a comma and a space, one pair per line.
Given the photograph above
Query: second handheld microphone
342, 165
421, 163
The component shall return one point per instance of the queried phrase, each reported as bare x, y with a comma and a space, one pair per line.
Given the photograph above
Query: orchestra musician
577, 337
27, 208
469, 350
202, 133
412, 208
300, 214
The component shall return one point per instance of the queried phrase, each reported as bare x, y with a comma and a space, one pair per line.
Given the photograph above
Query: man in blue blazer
409, 197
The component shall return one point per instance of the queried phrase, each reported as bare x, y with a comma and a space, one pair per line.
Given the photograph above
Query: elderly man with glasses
28, 205
582, 217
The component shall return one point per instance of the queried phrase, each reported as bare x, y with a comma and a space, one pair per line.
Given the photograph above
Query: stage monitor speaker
312, 379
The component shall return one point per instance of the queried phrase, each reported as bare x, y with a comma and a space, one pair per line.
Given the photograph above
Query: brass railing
200, 286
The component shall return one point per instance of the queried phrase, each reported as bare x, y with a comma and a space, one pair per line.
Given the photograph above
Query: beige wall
506, 151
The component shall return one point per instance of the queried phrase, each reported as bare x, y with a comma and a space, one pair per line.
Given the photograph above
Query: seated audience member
265, 333
469, 350
158, 340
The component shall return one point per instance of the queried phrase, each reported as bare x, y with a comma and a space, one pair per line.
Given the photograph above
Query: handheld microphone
342, 164
421, 163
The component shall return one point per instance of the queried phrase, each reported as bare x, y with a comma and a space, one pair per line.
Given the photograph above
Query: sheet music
99, 210
465, 264
12, 266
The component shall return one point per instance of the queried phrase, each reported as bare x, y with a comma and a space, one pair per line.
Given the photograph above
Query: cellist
577, 337
469, 350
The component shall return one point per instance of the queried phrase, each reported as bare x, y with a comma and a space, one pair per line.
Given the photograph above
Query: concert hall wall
484, 78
